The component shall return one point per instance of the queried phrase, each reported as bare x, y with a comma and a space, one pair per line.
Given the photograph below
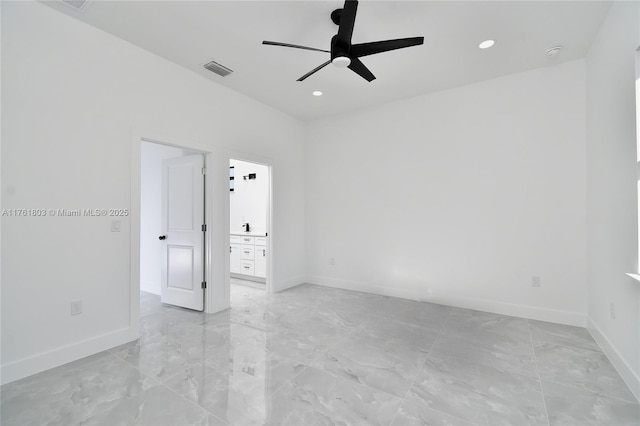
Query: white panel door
182, 234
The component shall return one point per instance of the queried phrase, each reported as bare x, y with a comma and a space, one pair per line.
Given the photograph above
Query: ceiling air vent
215, 67
76, 4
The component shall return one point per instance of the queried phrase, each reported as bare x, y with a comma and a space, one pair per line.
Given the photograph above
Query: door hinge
204, 284
204, 170
204, 228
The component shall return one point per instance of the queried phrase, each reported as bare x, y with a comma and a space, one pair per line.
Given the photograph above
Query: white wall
151, 213
457, 197
612, 207
248, 201
72, 96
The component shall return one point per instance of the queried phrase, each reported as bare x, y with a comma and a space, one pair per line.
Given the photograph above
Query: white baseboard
511, 309
252, 278
285, 284
54, 358
630, 378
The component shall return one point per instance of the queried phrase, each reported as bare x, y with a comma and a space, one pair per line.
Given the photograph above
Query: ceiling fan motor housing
337, 49
335, 16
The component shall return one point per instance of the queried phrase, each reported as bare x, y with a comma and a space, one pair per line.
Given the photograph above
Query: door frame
217, 295
138, 138
249, 158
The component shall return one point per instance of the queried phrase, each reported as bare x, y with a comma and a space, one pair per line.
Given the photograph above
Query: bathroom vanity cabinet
248, 255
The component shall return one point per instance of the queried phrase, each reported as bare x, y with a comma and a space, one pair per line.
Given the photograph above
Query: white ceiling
191, 33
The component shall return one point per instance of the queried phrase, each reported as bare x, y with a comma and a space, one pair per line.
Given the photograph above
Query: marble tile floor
320, 356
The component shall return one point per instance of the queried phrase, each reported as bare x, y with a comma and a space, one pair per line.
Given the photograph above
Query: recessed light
317, 93
486, 44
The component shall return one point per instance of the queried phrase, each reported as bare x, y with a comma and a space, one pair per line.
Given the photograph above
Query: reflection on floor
313, 355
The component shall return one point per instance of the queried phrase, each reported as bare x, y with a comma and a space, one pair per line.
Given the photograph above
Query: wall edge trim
34, 364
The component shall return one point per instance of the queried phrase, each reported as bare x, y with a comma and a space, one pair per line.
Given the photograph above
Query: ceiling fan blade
365, 49
314, 70
347, 21
276, 43
359, 68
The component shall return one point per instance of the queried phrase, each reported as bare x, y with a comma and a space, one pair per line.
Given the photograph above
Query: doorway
172, 227
249, 233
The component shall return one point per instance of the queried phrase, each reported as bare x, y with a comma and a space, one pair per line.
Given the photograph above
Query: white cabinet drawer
246, 240
247, 267
261, 241
235, 239
247, 252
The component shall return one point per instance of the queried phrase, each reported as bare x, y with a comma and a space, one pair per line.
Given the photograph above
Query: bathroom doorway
249, 236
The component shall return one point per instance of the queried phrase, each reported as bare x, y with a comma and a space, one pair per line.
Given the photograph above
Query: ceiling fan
345, 54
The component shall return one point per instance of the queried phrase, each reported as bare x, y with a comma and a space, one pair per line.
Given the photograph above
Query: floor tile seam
272, 394
320, 366
420, 326
452, 415
131, 364
535, 363
310, 359
412, 324
440, 332
186, 321
247, 325
339, 340
592, 392
420, 370
497, 328
179, 322
150, 376
539, 344
516, 371
371, 388
575, 387
396, 413
457, 336
105, 409
404, 398
84, 367
414, 401
165, 340
180, 371
414, 351
545, 328
161, 383
340, 335
341, 379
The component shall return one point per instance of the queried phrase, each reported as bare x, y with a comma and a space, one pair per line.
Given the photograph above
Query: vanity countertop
249, 234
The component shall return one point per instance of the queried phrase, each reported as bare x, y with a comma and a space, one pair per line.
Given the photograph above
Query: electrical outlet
613, 310
332, 261
536, 281
76, 307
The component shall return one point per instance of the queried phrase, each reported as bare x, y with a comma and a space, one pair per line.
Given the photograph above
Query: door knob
162, 237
